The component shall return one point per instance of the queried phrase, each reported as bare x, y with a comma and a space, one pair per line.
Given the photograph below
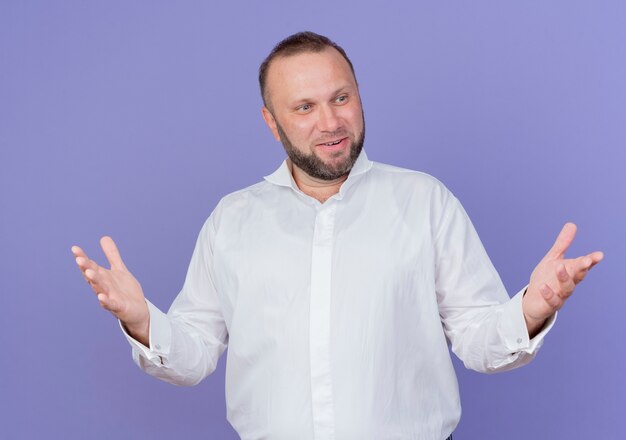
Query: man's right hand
117, 289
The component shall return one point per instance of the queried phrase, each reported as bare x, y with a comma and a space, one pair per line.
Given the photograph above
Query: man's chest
274, 261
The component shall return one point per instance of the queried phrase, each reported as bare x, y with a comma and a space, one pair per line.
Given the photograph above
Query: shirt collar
283, 177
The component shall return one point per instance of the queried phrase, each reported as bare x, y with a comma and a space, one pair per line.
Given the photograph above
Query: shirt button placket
319, 335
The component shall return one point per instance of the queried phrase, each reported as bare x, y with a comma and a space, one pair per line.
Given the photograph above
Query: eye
341, 99
304, 108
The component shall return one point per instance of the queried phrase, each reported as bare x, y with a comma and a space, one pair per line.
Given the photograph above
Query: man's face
315, 111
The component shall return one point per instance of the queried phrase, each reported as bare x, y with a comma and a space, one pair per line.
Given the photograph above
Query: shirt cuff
160, 337
513, 327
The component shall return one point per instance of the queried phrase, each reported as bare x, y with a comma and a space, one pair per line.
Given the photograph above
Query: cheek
354, 117
301, 130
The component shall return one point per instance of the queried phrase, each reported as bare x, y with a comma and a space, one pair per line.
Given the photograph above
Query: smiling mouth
330, 144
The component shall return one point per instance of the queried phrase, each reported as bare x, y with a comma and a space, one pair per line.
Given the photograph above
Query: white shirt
338, 315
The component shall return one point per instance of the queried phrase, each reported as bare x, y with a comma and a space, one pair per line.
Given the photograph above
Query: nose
328, 119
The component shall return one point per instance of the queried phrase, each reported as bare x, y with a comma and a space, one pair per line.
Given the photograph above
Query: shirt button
519, 340
158, 346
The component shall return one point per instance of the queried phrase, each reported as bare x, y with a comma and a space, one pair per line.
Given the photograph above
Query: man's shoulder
240, 204
405, 176
246, 195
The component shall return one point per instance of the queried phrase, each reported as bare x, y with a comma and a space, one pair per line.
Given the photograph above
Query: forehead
308, 75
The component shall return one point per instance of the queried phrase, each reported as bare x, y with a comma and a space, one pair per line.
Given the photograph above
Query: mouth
334, 145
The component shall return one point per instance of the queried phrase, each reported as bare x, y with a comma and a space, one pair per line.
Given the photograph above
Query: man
336, 282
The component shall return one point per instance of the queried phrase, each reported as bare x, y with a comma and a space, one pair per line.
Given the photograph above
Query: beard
313, 165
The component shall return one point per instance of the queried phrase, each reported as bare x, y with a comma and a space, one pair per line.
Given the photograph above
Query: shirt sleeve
485, 327
186, 343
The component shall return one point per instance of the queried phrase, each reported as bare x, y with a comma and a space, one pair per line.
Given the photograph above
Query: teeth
332, 143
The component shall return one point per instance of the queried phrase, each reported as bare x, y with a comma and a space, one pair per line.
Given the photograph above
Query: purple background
133, 119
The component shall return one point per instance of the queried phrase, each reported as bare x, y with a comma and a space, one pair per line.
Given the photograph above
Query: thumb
111, 252
563, 241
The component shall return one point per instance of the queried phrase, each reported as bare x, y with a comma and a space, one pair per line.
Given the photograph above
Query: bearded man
337, 282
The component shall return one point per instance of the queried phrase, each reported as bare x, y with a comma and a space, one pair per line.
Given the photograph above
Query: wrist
139, 331
533, 324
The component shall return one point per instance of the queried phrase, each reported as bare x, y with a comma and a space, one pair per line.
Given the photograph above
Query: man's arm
488, 330
181, 347
554, 279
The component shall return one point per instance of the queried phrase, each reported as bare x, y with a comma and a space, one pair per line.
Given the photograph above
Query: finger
566, 283
563, 241
550, 297
97, 281
82, 272
561, 273
579, 267
112, 253
108, 303
85, 263
596, 257
78, 252
91, 276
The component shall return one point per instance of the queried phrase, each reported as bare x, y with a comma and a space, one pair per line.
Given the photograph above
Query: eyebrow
340, 90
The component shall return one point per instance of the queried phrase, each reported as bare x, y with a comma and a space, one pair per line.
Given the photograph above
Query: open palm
118, 291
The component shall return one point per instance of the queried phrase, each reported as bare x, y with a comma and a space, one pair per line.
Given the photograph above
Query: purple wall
133, 119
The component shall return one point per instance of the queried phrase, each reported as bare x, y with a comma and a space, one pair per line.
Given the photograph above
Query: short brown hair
296, 44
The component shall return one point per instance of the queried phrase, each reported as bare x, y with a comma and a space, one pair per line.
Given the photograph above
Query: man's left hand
554, 280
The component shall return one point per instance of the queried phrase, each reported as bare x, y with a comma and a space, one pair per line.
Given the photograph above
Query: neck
319, 189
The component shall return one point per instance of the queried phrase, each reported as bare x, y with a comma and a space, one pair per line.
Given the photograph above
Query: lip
342, 143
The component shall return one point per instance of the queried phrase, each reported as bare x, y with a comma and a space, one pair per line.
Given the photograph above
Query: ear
268, 117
